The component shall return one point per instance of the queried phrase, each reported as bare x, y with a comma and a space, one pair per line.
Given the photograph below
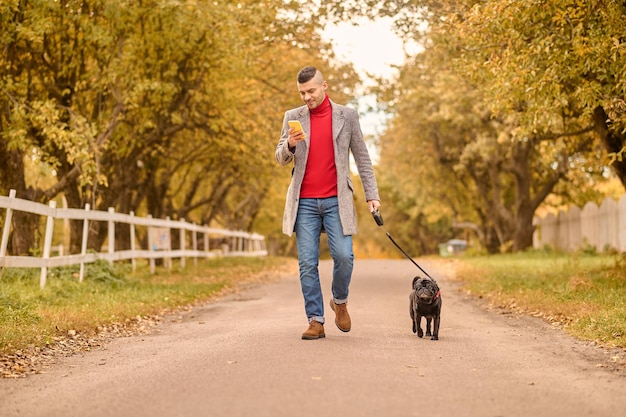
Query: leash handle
378, 218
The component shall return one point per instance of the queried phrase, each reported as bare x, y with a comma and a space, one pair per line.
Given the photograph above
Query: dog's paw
434, 338
420, 333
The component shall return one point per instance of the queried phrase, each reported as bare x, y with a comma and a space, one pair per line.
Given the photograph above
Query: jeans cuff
343, 301
318, 319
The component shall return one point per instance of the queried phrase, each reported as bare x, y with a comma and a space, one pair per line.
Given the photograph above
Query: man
320, 196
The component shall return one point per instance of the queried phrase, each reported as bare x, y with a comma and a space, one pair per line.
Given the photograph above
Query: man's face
312, 92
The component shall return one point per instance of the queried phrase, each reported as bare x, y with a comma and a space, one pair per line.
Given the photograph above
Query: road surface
243, 356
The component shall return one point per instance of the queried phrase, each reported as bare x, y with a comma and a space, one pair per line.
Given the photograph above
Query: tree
463, 157
551, 61
37, 120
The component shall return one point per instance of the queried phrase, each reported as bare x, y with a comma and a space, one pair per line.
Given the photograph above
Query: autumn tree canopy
509, 104
169, 108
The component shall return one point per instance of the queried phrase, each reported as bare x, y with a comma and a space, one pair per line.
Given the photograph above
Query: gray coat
347, 137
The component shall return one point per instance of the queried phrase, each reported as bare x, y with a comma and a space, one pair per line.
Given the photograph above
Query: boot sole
321, 336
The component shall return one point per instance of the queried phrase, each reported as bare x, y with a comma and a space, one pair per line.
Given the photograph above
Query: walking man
320, 196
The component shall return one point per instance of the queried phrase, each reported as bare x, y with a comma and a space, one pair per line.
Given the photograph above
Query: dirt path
243, 356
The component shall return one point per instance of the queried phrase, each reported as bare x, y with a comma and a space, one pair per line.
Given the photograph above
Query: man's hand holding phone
296, 133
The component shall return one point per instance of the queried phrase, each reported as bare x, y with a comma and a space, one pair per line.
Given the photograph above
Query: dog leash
378, 218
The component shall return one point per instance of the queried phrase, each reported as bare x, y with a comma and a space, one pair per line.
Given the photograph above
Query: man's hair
306, 74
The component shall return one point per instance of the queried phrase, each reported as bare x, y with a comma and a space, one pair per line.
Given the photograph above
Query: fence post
194, 243
167, 260
83, 246
151, 247
111, 230
47, 243
206, 243
6, 229
132, 240
182, 243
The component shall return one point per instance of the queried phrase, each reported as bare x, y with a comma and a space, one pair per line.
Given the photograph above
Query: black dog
425, 301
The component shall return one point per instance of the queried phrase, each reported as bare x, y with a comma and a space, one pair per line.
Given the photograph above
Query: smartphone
295, 124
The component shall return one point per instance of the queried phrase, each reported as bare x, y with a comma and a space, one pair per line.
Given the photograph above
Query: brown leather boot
342, 318
315, 331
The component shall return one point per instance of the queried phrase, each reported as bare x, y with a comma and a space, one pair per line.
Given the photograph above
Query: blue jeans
312, 214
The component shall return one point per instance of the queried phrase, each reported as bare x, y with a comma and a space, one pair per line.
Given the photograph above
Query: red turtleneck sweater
320, 177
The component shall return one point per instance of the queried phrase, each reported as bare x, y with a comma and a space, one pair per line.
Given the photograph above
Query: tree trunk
522, 219
491, 241
524, 230
25, 225
613, 141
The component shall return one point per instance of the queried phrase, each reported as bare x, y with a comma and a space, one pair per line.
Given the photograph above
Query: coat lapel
338, 121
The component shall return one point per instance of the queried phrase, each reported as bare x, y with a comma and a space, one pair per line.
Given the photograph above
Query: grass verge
584, 293
31, 317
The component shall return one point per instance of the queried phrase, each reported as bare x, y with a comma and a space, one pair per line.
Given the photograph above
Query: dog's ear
414, 281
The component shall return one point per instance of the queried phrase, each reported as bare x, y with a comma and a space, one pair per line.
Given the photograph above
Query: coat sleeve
284, 155
362, 159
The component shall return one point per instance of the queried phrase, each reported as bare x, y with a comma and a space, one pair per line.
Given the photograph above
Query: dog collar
437, 295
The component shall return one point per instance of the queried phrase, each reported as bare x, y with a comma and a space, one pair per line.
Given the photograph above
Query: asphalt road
243, 356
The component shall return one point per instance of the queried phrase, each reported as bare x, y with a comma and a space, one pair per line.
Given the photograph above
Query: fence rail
602, 227
159, 233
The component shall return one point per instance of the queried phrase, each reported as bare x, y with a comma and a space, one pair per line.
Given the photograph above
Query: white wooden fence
233, 243
601, 227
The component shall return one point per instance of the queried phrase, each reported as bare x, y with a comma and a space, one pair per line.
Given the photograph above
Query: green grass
585, 293
31, 316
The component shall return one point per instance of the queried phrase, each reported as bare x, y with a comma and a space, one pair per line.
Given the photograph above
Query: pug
425, 301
